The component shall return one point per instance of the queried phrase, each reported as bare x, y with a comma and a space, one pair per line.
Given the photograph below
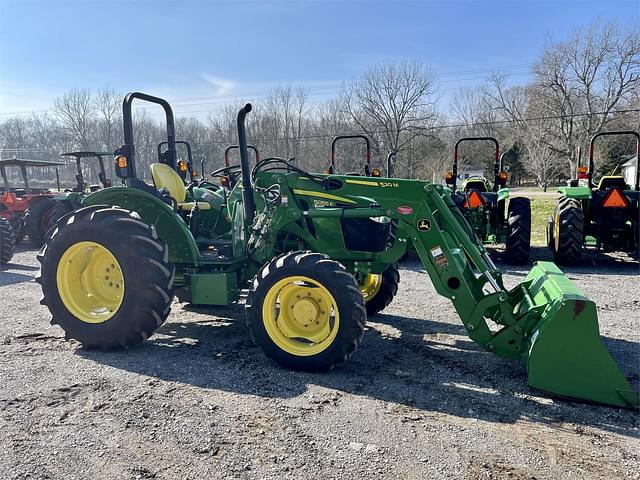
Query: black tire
59, 210
7, 241
334, 278
143, 260
549, 233
568, 228
37, 220
518, 243
388, 290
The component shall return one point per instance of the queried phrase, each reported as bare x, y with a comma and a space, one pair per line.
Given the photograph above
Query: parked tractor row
312, 255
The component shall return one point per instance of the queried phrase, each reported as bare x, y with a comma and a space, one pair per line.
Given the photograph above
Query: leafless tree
75, 111
392, 103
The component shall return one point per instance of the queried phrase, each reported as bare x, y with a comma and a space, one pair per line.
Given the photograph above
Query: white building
469, 171
629, 169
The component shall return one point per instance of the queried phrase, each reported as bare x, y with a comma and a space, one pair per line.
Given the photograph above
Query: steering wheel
232, 172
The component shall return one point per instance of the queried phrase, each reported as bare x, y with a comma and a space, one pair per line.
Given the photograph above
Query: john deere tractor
483, 205
601, 214
299, 244
367, 168
69, 200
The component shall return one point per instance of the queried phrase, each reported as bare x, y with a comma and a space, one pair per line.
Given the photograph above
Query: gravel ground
198, 400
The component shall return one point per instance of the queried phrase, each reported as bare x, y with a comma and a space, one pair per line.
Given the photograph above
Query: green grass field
541, 209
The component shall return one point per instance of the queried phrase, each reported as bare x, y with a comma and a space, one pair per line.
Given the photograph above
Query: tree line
579, 86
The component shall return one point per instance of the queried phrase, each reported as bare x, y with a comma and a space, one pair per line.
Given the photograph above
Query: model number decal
389, 184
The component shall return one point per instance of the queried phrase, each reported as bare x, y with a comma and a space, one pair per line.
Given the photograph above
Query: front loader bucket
565, 353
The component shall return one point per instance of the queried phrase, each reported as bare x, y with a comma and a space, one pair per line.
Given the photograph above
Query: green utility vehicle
483, 205
603, 215
301, 244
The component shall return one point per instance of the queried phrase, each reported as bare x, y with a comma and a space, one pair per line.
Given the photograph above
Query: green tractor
299, 244
71, 199
483, 205
603, 215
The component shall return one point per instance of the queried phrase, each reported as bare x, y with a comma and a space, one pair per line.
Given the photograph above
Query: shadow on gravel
416, 369
10, 278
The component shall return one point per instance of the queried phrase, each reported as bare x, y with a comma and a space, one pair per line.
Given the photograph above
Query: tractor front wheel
518, 243
106, 278
568, 228
37, 220
378, 289
305, 311
7, 241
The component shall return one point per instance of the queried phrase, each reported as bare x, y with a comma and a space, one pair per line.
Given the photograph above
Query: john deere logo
424, 225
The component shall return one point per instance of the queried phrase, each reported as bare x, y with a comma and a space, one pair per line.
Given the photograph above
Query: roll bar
390, 161
619, 132
128, 149
232, 147
497, 166
189, 155
367, 166
247, 191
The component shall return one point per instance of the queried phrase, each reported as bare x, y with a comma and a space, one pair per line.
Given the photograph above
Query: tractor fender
579, 193
170, 227
503, 194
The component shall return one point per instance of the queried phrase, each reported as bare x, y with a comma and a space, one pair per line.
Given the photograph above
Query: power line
435, 127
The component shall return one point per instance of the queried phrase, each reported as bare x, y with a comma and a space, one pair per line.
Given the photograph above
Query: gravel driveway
198, 400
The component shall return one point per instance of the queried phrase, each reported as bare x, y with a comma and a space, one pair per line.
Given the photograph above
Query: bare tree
75, 110
392, 103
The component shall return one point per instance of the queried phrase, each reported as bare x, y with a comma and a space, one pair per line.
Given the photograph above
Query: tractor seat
610, 181
165, 177
478, 185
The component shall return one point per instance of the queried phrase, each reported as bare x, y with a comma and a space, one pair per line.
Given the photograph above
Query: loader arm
545, 321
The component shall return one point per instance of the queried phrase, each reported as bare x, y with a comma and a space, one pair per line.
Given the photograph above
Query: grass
541, 209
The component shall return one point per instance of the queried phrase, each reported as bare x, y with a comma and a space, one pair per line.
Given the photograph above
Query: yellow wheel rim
90, 282
371, 286
300, 316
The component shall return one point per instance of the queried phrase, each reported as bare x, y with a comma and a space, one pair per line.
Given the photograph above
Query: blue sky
194, 52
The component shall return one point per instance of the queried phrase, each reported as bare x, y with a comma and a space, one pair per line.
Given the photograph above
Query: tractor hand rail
332, 165
247, 191
127, 120
496, 166
611, 133
232, 147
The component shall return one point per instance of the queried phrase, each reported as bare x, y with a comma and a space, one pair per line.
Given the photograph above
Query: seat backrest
166, 177
610, 181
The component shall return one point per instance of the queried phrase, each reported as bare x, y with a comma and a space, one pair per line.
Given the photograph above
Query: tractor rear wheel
7, 241
518, 243
59, 210
305, 311
106, 278
568, 228
378, 289
37, 220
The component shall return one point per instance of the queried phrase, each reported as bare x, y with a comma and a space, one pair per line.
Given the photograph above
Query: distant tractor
367, 170
483, 205
70, 199
26, 208
603, 215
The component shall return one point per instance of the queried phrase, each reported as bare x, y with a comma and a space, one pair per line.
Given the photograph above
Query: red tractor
26, 208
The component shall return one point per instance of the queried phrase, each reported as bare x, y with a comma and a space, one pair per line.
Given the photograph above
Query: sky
201, 54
